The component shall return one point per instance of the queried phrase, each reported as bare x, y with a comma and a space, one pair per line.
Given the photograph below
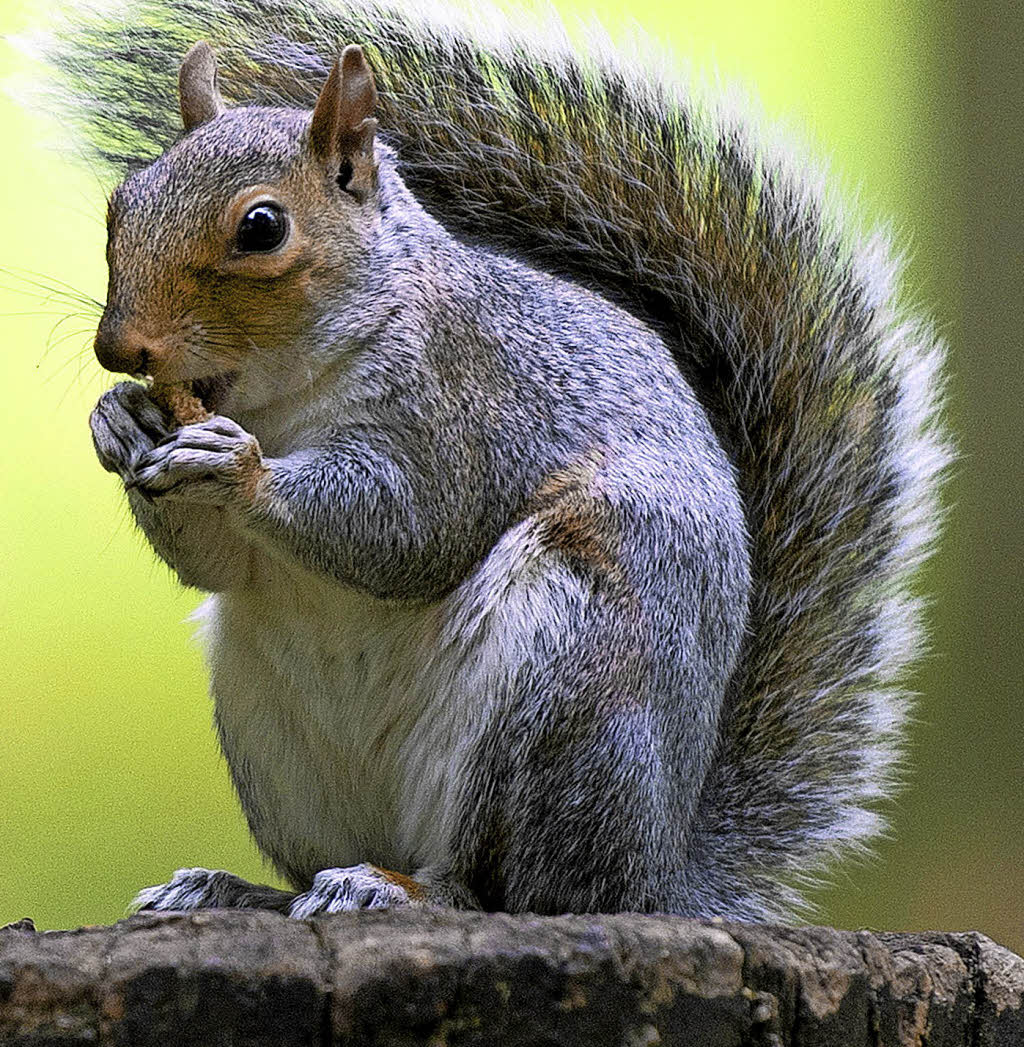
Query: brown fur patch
252, 473
416, 891
573, 519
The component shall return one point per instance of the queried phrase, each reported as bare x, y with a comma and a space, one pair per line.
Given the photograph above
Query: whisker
78, 357
52, 341
14, 313
53, 287
67, 336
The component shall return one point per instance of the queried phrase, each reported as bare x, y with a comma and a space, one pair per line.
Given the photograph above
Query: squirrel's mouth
213, 390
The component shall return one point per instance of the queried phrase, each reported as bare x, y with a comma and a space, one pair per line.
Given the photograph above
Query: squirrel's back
783, 317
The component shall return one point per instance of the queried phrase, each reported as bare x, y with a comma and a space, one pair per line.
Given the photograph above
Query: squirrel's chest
315, 701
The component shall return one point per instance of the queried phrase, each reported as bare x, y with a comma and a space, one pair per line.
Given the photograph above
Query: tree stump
255, 979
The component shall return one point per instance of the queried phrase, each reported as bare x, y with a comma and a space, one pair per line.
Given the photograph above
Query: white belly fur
315, 687
354, 714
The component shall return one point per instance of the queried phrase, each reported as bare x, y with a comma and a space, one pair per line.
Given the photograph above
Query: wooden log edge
442, 977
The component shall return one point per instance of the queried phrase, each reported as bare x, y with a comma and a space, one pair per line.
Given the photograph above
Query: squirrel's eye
262, 229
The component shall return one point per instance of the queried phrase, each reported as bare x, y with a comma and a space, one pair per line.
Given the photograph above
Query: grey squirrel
566, 468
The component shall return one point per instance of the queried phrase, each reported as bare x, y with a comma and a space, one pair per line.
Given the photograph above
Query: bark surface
237, 979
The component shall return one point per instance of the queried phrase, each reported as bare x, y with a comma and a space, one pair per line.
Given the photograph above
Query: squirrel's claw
125, 425
357, 887
191, 889
214, 461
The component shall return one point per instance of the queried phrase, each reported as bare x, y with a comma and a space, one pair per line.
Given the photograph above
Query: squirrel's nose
119, 347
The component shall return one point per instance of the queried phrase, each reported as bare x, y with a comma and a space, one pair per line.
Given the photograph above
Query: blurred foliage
109, 772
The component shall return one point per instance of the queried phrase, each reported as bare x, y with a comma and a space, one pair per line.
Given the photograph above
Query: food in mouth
179, 400
198, 400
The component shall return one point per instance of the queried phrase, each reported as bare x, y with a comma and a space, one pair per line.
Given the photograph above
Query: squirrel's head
226, 247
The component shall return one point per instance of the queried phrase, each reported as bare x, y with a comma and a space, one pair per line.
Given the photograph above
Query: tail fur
782, 314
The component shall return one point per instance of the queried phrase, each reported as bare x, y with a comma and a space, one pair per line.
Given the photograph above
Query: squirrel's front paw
357, 887
126, 426
215, 461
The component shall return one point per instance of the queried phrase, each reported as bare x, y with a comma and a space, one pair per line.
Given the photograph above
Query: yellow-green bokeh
109, 774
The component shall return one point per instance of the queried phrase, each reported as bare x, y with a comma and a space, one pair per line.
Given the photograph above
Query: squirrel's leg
210, 889
347, 511
590, 653
601, 633
192, 537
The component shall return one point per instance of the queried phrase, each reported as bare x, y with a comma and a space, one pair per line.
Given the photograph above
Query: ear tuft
198, 94
343, 124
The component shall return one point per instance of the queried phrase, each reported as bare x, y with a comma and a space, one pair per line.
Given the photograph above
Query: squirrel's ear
197, 86
343, 126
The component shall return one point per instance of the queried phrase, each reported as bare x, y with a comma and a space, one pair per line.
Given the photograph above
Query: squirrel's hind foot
191, 889
357, 887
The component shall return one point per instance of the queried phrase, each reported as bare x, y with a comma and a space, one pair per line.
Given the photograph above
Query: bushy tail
786, 321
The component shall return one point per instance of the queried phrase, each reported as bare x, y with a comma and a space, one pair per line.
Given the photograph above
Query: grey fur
639, 758
340, 890
210, 889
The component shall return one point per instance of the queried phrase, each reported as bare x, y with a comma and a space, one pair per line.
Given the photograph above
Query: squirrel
567, 462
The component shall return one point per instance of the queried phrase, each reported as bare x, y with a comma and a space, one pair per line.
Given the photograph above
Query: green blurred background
109, 772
